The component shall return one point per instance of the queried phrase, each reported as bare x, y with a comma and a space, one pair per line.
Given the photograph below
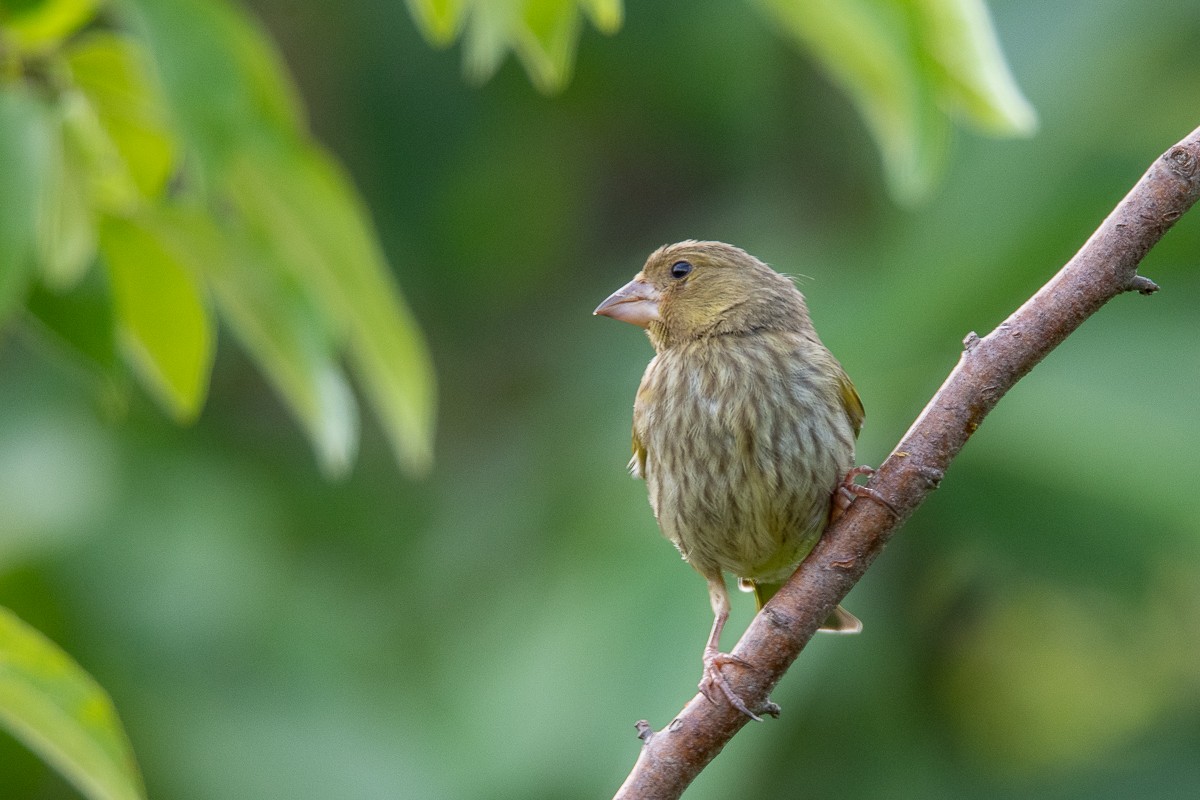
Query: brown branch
1104, 267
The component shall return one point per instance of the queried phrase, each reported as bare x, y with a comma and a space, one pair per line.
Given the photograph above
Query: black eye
680, 268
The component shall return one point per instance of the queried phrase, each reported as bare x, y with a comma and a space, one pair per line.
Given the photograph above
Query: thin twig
1104, 267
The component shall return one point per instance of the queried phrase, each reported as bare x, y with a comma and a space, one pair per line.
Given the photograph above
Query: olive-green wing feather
637, 464
851, 402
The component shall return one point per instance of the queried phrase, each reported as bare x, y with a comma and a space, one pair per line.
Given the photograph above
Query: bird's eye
680, 268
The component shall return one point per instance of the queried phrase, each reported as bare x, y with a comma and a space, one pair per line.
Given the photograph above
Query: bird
744, 426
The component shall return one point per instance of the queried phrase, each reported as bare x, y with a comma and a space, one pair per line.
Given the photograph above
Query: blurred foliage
907, 65
164, 178
542, 33
1032, 633
59, 711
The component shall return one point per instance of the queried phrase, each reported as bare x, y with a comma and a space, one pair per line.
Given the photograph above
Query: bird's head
691, 290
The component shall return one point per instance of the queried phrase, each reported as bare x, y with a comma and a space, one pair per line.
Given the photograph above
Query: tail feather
840, 621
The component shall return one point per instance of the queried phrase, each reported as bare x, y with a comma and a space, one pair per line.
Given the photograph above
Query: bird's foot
714, 681
848, 491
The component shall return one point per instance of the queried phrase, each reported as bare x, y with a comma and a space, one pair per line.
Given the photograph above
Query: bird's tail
840, 621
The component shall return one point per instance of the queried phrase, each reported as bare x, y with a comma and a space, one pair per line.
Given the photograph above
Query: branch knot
1182, 161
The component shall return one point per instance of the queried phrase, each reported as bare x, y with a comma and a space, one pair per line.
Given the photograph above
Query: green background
495, 629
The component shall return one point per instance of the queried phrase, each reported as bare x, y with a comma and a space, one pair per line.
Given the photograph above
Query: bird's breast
738, 468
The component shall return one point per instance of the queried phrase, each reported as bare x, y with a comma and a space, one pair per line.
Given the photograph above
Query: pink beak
636, 303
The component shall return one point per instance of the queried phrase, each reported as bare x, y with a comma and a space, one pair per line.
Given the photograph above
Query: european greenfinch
743, 426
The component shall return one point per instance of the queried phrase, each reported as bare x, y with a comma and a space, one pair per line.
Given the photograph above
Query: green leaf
438, 20
905, 64
41, 24
545, 41
543, 34
487, 38
223, 79
972, 74
113, 73
54, 707
606, 15
110, 184
304, 206
162, 322
26, 137
866, 47
279, 329
66, 226
322, 282
79, 321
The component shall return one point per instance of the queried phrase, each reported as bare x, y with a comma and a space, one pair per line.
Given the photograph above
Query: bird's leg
848, 491
713, 679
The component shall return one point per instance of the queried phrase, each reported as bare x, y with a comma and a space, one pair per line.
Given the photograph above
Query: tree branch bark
1104, 267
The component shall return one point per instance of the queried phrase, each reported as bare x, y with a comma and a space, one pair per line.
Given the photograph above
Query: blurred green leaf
865, 47
545, 41
905, 66
54, 707
224, 82
305, 207
26, 148
278, 327
438, 20
971, 72
489, 31
161, 317
606, 15
67, 228
903, 63
113, 74
40, 24
305, 275
80, 321
110, 184
542, 33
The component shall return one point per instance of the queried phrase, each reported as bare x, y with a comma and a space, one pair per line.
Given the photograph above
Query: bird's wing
851, 402
637, 464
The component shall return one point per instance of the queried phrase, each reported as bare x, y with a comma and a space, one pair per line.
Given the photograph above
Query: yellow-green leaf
54, 707
114, 75
79, 322
109, 183
543, 34
279, 329
606, 15
488, 36
305, 206
438, 20
162, 322
866, 47
26, 152
973, 76
224, 80
41, 25
545, 41
66, 225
